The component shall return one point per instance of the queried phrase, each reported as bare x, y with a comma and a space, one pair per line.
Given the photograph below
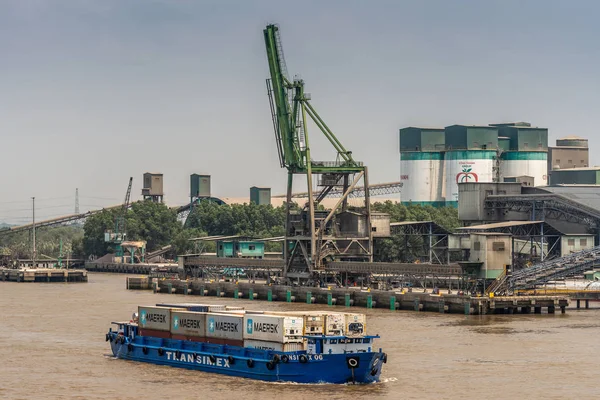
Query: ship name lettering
203, 360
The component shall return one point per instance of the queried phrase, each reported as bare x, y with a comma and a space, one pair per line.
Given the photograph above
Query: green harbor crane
313, 237
118, 235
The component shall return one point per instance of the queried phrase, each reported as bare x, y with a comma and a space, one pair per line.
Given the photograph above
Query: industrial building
569, 152
260, 195
153, 187
433, 161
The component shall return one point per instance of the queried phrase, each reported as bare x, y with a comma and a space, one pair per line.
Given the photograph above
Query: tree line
158, 226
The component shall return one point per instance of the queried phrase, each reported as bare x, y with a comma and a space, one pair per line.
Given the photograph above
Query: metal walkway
558, 268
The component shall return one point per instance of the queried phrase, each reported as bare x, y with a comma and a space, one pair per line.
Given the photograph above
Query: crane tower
314, 236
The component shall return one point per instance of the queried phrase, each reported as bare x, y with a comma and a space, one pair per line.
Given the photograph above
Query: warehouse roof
588, 195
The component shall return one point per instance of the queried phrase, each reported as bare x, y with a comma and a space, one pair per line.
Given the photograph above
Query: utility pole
33, 227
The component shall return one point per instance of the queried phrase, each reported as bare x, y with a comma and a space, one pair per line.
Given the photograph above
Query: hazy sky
95, 91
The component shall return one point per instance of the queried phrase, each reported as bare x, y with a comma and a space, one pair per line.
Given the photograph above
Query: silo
471, 151
527, 155
421, 161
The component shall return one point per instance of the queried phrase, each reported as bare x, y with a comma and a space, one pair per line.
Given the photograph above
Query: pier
401, 300
127, 268
43, 275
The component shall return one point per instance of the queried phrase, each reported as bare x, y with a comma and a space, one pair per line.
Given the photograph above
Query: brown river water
52, 347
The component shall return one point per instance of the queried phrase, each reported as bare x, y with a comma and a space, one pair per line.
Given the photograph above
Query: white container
188, 323
157, 318
225, 326
273, 328
355, 325
274, 346
313, 321
334, 324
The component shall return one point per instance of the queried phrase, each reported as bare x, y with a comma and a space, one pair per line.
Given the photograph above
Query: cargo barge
300, 347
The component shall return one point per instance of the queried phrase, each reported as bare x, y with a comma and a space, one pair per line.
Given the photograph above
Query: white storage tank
529, 163
466, 166
421, 177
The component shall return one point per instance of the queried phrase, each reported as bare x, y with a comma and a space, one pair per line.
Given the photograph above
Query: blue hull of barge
233, 360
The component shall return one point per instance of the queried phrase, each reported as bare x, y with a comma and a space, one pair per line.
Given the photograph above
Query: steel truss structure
541, 239
546, 206
434, 240
378, 189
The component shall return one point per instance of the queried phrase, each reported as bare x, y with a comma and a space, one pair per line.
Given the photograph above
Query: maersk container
355, 324
225, 326
188, 323
156, 318
273, 328
274, 346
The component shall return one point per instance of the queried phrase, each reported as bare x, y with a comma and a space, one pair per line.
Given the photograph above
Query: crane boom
311, 240
285, 121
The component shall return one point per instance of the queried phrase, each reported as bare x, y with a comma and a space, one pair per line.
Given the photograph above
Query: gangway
558, 268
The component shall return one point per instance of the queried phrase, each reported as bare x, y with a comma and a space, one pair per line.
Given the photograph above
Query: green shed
471, 137
422, 139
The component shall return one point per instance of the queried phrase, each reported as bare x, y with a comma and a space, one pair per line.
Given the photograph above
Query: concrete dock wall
444, 303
